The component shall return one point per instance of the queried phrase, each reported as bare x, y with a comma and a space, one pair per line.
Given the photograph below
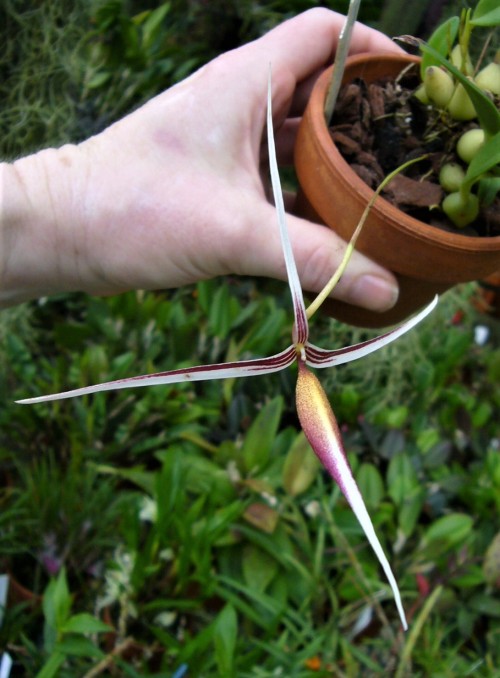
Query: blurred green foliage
70, 68
188, 529
179, 512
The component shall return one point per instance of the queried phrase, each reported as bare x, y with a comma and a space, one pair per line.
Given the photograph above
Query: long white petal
320, 357
321, 429
301, 326
242, 368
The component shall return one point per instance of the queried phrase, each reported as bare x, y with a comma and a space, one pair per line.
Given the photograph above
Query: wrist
38, 252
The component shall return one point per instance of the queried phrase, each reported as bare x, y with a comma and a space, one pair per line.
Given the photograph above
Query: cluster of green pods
441, 90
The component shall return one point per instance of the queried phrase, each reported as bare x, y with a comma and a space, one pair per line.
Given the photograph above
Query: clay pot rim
332, 156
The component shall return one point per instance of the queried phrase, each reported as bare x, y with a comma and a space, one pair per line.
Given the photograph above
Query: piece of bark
368, 174
376, 101
346, 144
407, 191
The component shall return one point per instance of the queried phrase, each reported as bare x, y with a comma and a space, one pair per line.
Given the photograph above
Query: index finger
298, 50
306, 43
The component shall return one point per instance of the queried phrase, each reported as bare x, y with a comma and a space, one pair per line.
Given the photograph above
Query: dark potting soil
379, 126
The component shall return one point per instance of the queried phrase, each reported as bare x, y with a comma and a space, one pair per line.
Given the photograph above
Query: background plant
220, 547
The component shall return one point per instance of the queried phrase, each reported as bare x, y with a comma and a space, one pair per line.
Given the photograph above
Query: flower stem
330, 285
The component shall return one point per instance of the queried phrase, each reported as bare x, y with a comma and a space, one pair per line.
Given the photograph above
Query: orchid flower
314, 411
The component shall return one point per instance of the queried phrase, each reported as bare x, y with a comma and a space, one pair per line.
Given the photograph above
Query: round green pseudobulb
438, 86
460, 211
451, 177
469, 144
489, 78
421, 95
460, 106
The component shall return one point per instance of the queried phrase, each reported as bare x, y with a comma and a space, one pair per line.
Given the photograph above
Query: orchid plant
314, 411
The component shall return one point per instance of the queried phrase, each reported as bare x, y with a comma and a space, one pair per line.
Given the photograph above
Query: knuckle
319, 267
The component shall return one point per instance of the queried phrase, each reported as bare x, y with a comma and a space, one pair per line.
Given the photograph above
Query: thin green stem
465, 188
464, 37
416, 631
330, 285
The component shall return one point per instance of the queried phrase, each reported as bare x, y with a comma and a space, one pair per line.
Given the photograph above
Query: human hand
176, 191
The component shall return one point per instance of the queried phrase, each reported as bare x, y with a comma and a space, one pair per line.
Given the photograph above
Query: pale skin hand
175, 193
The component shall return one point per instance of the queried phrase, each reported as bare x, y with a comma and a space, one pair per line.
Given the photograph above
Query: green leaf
370, 484
427, 438
214, 525
449, 530
225, 635
473, 577
263, 337
487, 190
410, 510
348, 403
56, 605
487, 112
486, 13
152, 26
84, 623
442, 41
223, 309
205, 290
493, 366
278, 544
79, 646
136, 475
202, 475
259, 439
301, 466
52, 666
401, 478
482, 414
486, 605
397, 416
225, 590
99, 79
259, 568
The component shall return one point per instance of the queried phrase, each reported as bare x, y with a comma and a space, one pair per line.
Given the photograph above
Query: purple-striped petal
321, 429
301, 331
320, 357
242, 368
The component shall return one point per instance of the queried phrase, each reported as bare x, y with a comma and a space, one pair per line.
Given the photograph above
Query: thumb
318, 252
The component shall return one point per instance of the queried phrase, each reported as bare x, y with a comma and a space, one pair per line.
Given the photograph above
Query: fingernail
373, 293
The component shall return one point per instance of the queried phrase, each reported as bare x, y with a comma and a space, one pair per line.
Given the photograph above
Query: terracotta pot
426, 260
